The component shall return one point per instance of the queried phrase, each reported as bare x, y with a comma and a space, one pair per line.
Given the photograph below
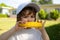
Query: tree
45, 1
54, 14
0, 9
42, 14
33, 0
4, 5
42, 1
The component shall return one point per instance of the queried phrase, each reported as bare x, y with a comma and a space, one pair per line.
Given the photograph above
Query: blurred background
49, 11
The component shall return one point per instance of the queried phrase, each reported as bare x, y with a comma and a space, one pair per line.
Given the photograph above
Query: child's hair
28, 10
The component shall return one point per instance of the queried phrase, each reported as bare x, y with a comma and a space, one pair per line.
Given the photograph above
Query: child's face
28, 18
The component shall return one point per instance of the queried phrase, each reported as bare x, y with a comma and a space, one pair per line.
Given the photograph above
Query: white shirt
26, 34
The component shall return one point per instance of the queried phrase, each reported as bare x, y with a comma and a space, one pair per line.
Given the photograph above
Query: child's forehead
27, 14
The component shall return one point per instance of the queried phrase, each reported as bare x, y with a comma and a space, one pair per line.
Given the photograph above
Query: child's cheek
24, 19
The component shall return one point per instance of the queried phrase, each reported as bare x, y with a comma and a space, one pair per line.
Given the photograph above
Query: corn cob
31, 24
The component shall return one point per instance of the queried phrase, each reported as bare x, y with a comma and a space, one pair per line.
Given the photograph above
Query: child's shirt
26, 34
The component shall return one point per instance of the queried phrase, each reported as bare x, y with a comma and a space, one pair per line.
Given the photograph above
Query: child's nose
29, 19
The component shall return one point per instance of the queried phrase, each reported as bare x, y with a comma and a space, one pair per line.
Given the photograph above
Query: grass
6, 24
54, 31
52, 27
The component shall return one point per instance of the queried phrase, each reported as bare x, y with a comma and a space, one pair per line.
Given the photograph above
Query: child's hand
18, 27
43, 23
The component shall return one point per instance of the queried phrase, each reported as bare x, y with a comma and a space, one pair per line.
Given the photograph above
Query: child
25, 13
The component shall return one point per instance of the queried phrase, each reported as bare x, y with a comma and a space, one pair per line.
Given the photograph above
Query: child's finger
39, 21
22, 22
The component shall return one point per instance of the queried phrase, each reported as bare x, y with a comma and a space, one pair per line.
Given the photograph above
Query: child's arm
44, 33
7, 34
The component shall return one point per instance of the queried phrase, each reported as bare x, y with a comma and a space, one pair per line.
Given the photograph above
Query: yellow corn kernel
32, 24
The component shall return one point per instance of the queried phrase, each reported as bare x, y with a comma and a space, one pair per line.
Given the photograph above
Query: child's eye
25, 16
32, 16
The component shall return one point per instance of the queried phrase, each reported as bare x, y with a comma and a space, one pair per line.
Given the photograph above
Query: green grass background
52, 27
6, 24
